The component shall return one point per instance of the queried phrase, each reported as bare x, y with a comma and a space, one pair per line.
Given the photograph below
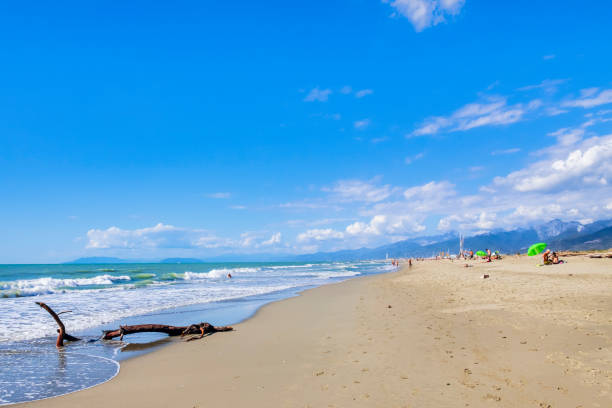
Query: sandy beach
433, 335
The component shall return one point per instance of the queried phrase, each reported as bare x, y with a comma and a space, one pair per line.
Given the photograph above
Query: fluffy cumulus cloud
316, 234
468, 221
494, 111
426, 13
588, 164
274, 240
386, 224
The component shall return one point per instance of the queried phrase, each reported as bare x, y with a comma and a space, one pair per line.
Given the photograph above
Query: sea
96, 297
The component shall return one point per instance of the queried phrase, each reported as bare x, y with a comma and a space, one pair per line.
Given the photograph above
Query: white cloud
433, 189
238, 207
554, 111
163, 237
363, 92
319, 235
590, 97
589, 163
362, 124
468, 221
274, 239
377, 140
346, 90
493, 85
159, 236
219, 195
548, 85
316, 94
505, 151
306, 205
548, 57
412, 159
386, 224
568, 136
359, 191
568, 181
426, 13
495, 111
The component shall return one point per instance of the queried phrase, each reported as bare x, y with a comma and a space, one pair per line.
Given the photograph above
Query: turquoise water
104, 296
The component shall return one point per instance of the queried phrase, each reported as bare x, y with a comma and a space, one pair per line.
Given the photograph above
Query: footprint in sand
492, 397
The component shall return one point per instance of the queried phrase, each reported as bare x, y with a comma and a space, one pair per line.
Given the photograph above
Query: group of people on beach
551, 258
469, 254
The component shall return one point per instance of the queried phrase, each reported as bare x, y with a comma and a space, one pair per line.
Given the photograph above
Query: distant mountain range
559, 235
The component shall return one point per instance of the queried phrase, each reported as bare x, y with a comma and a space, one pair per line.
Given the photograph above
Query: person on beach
471, 254
555, 259
229, 276
546, 257
488, 255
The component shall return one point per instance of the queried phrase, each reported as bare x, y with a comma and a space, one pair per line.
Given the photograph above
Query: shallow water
104, 296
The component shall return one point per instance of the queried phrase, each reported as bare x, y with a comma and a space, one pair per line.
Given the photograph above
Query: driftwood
202, 329
62, 335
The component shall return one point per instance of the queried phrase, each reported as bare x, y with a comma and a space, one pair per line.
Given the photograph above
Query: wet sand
434, 335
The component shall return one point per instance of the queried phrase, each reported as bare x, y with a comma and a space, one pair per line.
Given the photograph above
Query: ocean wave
291, 266
218, 273
144, 276
43, 286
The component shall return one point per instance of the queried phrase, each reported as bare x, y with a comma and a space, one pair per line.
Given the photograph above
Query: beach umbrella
536, 248
481, 253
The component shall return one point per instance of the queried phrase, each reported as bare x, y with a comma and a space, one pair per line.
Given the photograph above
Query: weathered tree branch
62, 329
202, 329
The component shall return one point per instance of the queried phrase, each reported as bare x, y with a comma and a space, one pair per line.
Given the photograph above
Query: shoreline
222, 312
433, 335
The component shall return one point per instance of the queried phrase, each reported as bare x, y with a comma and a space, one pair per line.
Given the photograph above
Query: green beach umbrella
481, 253
536, 248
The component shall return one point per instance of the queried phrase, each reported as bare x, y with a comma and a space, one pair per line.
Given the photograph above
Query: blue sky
202, 128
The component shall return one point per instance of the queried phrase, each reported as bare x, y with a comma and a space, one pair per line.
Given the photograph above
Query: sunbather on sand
555, 259
546, 257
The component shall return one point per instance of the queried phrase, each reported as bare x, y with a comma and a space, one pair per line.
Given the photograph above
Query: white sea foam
235, 270
40, 286
291, 266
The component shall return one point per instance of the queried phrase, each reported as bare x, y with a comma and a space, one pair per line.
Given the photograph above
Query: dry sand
434, 335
